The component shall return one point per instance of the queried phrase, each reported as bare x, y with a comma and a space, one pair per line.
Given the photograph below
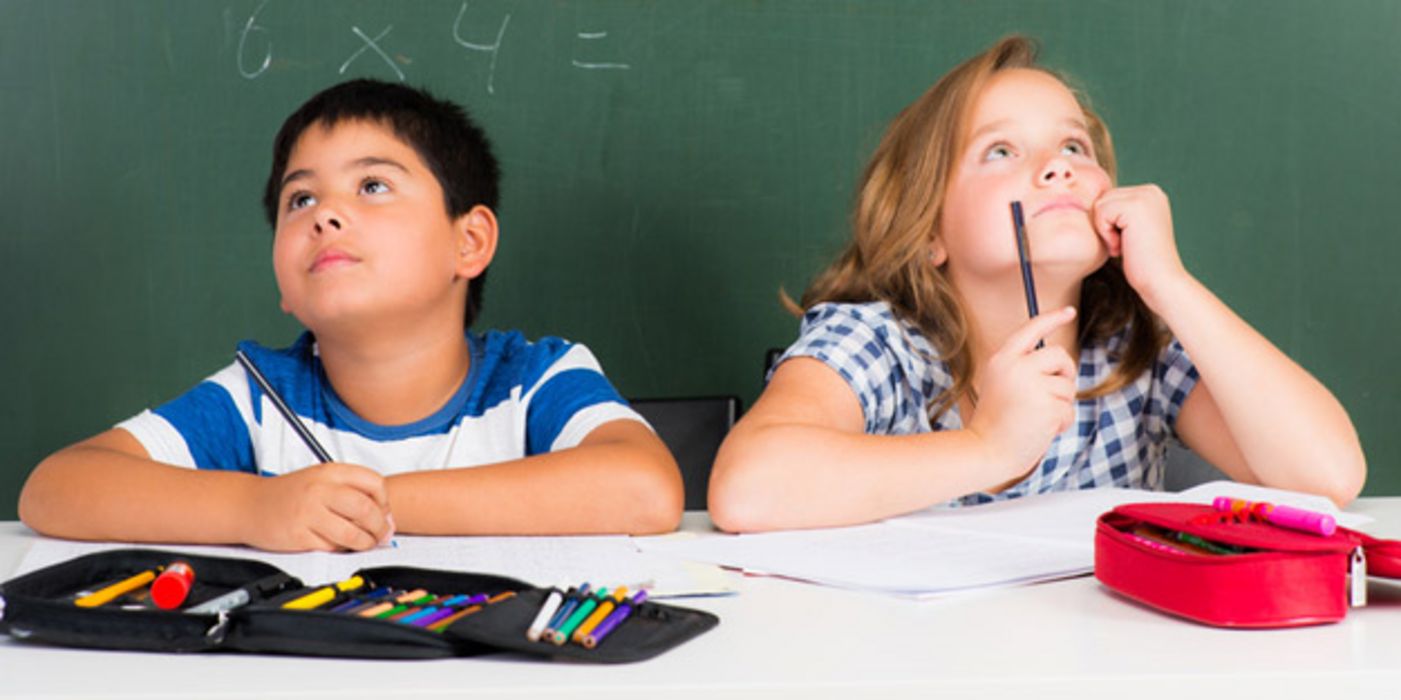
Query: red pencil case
1254, 574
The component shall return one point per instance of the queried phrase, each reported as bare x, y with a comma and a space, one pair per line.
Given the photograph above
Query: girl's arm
108, 488
619, 479
1255, 414
800, 457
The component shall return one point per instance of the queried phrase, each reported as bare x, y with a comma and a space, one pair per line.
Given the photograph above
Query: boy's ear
476, 241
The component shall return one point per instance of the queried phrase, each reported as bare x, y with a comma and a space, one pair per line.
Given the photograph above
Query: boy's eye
299, 200
1075, 147
374, 187
997, 152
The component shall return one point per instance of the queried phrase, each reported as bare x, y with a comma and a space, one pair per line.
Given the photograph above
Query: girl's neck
400, 375
996, 311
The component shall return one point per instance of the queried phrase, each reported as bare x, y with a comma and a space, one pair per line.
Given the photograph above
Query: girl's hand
1026, 397
328, 507
1136, 223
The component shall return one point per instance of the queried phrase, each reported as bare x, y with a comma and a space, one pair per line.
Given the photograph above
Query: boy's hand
1136, 223
1026, 397
328, 507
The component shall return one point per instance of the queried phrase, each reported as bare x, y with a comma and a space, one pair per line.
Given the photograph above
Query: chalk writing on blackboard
251, 67
597, 65
251, 27
372, 44
493, 49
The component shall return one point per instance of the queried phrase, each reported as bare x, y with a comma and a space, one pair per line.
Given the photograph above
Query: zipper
221, 624
1357, 576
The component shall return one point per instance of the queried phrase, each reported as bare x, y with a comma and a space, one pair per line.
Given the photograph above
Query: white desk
1070, 639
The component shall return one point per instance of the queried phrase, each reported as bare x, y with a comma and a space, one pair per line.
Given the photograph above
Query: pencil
1024, 255
321, 454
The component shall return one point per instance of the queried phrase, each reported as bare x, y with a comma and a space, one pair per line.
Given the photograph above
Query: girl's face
1027, 141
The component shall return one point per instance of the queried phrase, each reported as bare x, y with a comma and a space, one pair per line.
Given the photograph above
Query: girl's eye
998, 152
299, 200
374, 187
1075, 147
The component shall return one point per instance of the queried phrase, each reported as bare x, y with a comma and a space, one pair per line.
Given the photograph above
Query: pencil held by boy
919, 379
383, 201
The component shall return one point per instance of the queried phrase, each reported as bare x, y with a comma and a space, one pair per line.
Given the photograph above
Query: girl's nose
1056, 169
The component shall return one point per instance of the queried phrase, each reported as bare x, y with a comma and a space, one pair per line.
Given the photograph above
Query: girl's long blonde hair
897, 217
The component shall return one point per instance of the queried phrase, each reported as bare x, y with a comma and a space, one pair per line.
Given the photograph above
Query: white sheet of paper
943, 550
543, 561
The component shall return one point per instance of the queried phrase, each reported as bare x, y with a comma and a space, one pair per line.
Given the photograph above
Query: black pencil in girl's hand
321, 454
1024, 255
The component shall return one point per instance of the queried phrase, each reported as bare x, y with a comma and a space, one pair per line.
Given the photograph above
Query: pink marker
1282, 516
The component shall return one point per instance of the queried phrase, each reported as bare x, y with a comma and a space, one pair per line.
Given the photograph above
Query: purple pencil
613, 620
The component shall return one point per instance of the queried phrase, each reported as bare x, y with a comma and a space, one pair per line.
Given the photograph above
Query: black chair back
692, 429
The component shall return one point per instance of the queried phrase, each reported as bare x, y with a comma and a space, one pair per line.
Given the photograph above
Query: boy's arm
619, 479
108, 488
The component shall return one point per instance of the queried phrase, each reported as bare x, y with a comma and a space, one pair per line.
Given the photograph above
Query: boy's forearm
94, 493
604, 488
1291, 430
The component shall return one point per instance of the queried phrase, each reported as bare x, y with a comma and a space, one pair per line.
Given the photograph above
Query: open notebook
944, 550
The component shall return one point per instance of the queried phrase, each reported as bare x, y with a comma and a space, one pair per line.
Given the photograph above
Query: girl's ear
476, 241
938, 254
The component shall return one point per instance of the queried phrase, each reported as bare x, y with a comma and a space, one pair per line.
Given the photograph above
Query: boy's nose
327, 220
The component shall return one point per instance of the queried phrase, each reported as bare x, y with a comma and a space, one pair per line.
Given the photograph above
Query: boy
382, 199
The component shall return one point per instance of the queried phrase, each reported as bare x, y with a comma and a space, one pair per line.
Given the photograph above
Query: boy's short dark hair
454, 148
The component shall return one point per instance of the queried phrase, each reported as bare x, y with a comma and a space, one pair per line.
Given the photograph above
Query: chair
1185, 469
692, 429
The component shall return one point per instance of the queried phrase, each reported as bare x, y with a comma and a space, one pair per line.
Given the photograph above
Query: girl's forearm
1292, 432
791, 475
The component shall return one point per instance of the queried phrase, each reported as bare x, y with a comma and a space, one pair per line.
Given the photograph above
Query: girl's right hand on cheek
1026, 397
327, 507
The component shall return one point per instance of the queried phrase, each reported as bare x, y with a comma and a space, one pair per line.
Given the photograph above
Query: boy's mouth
331, 257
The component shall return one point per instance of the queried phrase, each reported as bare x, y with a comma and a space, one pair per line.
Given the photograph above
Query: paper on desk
881, 557
1069, 516
943, 550
543, 561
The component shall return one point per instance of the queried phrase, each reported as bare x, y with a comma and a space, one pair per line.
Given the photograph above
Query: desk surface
1064, 639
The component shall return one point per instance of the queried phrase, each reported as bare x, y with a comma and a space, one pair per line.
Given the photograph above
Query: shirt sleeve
1174, 377
203, 428
570, 399
855, 342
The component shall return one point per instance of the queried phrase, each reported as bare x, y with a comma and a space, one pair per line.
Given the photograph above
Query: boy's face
363, 233
1026, 140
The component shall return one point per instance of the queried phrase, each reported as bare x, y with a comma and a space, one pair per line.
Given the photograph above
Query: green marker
404, 606
565, 630
1208, 545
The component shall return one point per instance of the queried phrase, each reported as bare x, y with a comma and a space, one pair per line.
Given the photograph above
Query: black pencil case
40, 607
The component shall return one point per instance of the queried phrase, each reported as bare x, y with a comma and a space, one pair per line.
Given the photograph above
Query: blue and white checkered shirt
1117, 440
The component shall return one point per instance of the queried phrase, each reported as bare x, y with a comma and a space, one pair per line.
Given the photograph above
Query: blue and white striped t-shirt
1119, 439
519, 399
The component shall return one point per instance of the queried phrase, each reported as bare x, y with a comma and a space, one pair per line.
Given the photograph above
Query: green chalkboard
668, 167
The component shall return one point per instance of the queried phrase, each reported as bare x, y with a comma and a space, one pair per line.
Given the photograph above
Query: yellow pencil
110, 593
324, 595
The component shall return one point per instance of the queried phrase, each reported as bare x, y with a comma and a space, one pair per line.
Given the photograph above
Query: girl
917, 377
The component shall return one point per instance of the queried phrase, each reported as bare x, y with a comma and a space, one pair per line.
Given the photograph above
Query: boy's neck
398, 377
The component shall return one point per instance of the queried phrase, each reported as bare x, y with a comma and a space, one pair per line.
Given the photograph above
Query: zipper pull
1357, 576
216, 633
